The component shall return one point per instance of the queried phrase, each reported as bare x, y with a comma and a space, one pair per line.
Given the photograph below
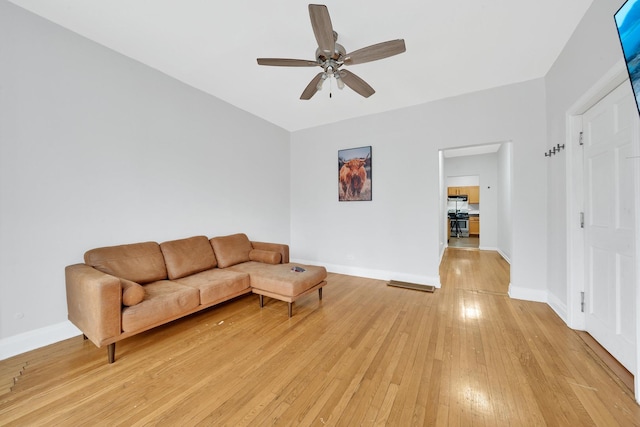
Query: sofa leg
320, 293
290, 309
111, 351
84, 337
261, 300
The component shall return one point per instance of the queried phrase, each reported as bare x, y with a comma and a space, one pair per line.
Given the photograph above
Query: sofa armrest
275, 247
94, 303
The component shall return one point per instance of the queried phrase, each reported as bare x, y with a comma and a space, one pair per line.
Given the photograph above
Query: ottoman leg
261, 300
290, 309
320, 293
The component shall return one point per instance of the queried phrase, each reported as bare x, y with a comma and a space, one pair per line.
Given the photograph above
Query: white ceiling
453, 47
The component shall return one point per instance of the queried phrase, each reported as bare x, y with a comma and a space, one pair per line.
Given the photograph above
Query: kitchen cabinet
472, 191
474, 225
474, 194
456, 191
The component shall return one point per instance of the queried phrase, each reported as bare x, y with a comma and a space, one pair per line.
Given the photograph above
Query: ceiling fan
330, 56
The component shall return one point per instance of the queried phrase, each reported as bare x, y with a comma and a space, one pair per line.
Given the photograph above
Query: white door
610, 193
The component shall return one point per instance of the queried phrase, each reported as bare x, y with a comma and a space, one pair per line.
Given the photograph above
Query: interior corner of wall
527, 294
558, 306
505, 256
31, 340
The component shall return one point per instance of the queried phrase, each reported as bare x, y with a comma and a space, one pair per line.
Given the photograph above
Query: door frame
575, 318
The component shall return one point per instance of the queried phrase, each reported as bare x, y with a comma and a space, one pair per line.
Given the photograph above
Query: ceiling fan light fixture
322, 79
339, 80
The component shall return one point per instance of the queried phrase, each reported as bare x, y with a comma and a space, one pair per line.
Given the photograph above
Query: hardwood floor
464, 242
367, 354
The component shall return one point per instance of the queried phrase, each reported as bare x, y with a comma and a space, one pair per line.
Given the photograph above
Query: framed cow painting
354, 174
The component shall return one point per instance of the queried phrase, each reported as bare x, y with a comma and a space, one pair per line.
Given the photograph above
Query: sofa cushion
188, 256
164, 300
132, 292
217, 285
282, 249
138, 262
267, 257
231, 250
280, 279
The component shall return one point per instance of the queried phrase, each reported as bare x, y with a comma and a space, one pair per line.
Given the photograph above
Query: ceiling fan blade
322, 28
375, 52
283, 62
356, 83
312, 87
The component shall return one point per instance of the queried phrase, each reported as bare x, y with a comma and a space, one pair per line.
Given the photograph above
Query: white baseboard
503, 255
528, 294
558, 306
374, 274
37, 338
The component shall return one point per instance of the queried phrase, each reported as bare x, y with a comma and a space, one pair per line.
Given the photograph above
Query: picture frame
355, 174
627, 20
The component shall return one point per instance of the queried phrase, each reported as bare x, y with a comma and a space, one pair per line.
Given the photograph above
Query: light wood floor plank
367, 354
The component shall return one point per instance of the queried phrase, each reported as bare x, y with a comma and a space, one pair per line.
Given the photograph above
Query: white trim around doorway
574, 317
575, 241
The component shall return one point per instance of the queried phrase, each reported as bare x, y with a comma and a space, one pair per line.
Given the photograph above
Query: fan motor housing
338, 53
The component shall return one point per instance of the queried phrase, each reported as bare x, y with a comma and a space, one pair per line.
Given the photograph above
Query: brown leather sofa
123, 290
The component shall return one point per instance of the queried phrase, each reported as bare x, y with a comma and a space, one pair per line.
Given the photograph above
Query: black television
628, 23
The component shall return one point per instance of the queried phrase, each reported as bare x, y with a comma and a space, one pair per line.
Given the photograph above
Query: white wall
463, 181
97, 149
590, 53
398, 233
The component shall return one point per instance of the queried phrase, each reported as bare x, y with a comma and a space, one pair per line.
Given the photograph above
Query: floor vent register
414, 286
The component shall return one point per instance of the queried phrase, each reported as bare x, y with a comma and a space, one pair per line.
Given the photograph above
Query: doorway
485, 169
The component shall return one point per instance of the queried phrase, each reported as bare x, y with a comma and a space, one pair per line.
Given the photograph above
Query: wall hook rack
554, 150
